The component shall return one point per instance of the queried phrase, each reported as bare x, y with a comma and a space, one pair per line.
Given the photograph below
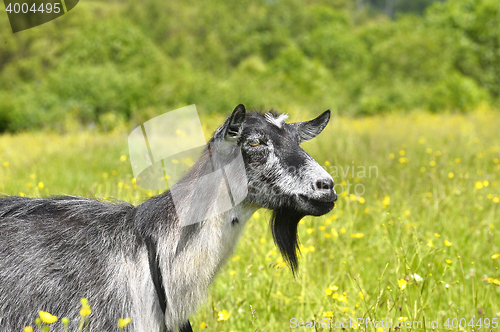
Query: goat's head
281, 176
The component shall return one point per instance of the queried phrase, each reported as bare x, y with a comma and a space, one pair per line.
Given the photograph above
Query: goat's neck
191, 256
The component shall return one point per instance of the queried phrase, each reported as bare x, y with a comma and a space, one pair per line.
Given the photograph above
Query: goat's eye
254, 142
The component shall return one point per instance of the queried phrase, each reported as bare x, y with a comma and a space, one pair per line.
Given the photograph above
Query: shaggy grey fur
54, 251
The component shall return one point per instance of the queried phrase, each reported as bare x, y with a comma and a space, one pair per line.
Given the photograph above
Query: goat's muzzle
321, 200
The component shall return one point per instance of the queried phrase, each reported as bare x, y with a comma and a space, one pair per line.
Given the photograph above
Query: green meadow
413, 237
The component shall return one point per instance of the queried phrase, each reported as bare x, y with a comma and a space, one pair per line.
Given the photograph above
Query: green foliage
474, 29
136, 59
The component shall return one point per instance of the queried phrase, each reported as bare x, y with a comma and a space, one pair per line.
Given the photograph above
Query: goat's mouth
316, 206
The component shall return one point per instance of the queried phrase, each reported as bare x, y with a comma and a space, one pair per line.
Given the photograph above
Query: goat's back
54, 251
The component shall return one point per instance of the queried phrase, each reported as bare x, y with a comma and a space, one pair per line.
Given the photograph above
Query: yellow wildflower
327, 313
342, 298
47, 317
479, 185
330, 290
357, 235
223, 315
361, 295
85, 310
123, 157
203, 325
402, 284
28, 329
448, 261
40, 185
437, 235
256, 215
495, 256
451, 175
386, 201
123, 322
447, 243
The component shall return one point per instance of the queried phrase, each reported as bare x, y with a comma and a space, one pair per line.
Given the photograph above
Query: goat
53, 251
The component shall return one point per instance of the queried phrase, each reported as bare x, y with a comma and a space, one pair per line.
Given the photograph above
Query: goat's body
55, 251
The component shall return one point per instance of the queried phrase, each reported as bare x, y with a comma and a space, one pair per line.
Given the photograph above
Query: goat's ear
235, 124
310, 129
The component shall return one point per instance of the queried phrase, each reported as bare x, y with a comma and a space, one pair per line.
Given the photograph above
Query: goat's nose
325, 184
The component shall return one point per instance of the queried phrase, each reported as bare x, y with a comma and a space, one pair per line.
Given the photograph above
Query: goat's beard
284, 223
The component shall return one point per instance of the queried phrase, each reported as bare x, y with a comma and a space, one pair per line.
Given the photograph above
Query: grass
419, 242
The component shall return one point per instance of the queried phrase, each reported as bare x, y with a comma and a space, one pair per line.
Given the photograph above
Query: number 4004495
42, 8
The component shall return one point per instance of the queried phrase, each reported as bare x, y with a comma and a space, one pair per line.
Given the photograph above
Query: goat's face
281, 175
279, 172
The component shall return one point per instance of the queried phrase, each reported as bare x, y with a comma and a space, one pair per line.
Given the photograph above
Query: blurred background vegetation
118, 63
